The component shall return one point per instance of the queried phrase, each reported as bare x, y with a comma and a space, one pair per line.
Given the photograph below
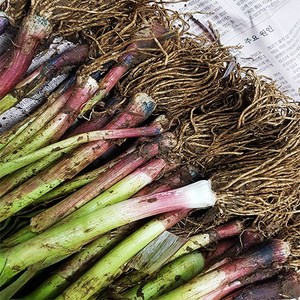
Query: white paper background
267, 30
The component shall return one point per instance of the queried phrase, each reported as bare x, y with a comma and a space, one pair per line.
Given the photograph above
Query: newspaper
268, 32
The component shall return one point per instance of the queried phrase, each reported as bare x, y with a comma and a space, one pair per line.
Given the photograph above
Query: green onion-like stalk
9, 135
168, 278
21, 281
97, 120
110, 266
275, 251
69, 237
60, 121
24, 234
200, 240
83, 92
7, 103
78, 263
137, 111
103, 178
14, 287
136, 276
90, 125
109, 134
79, 181
86, 200
178, 179
15, 179
42, 117
13, 138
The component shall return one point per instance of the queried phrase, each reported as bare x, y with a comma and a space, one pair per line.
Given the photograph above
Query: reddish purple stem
33, 30
286, 286
271, 252
244, 242
221, 248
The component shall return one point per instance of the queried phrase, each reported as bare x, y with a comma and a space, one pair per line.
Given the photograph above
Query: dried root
238, 128
263, 178
254, 165
185, 75
108, 44
73, 16
15, 9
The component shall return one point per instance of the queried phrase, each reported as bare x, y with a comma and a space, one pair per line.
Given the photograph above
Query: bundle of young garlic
81, 219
